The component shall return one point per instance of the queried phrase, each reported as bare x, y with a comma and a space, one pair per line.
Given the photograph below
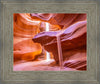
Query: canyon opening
49, 42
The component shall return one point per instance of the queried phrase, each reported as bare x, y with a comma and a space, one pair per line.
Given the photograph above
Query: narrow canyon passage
49, 42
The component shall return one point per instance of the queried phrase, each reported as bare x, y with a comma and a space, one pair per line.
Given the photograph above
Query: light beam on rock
47, 53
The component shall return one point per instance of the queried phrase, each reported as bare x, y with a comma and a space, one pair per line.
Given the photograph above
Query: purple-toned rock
61, 19
73, 41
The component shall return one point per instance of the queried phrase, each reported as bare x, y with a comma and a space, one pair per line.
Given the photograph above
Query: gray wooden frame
90, 7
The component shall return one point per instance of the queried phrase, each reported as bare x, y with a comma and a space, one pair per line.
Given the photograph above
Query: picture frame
91, 8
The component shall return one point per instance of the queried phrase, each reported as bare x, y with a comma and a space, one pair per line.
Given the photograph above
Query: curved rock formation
61, 19
24, 30
26, 50
25, 26
73, 39
72, 30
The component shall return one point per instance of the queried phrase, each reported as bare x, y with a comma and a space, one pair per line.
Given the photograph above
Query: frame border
8, 75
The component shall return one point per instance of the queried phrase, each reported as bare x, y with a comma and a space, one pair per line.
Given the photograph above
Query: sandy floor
43, 65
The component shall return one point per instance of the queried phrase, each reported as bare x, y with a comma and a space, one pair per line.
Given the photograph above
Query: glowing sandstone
24, 30
73, 39
24, 26
26, 50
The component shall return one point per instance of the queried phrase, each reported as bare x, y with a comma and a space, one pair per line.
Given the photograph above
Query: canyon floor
43, 65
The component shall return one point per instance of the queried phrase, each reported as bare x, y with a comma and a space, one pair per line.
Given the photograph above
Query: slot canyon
49, 41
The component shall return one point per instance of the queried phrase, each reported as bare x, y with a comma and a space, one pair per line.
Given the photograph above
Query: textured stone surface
72, 30
24, 30
73, 41
26, 50
62, 19
24, 26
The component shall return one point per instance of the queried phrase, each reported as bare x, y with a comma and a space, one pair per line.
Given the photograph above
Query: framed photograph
44, 42
39, 43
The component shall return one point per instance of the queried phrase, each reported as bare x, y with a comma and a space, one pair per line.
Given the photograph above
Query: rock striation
73, 39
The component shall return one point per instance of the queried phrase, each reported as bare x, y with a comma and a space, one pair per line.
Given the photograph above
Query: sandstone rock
61, 19
73, 37
26, 50
24, 26
73, 41
24, 30
75, 33
51, 27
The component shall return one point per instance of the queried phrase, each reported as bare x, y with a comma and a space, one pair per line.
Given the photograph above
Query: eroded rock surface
24, 30
26, 50
73, 41
61, 19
